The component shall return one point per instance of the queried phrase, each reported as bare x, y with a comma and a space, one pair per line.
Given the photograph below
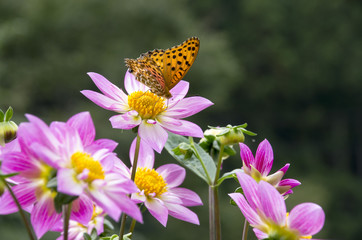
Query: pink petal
107, 204
132, 85
259, 234
67, 183
129, 207
188, 197
249, 213
178, 92
127, 121
83, 123
272, 203
188, 107
158, 210
105, 102
153, 134
108, 88
82, 209
106, 143
146, 157
250, 188
43, 216
25, 193
18, 162
285, 168
289, 182
246, 155
264, 158
181, 127
182, 213
173, 174
307, 218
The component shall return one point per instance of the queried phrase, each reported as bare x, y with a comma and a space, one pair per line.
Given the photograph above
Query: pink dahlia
264, 208
151, 113
260, 166
159, 188
82, 165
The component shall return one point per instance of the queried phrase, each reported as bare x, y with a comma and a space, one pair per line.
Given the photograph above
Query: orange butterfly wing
147, 72
161, 70
175, 62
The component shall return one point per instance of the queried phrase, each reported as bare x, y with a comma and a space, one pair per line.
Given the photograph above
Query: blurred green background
290, 69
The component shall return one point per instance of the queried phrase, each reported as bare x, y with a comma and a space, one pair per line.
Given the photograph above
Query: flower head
82, 166
265, 210
76, 229
259, 167
159, 188
151, 113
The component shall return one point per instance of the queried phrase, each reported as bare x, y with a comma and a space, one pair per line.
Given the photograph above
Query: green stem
199, 157
133, 175
245, 230
219, 161
131, 228
27, 226
214, 208
66, 216
214, 213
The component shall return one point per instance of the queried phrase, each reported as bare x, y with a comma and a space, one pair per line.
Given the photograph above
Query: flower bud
7, 132
229, 135
8, 128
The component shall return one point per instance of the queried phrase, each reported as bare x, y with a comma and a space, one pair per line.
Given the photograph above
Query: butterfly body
161, 70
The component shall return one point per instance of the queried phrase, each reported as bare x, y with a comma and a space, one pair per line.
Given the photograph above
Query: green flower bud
229, 135
7, 132
8, 128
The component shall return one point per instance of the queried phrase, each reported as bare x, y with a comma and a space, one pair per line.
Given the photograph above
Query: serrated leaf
228, 175
8, 114
192, 163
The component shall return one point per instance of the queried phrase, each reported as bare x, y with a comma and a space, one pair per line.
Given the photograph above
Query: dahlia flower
260, 166
264, 208
151, 113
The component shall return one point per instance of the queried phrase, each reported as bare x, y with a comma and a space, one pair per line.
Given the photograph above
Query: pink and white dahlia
76, 229
151, 113
30, 186
260, 166
159, 188
82, 166
264, 208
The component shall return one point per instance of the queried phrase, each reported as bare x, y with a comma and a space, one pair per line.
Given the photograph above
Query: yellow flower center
147, 104
150, 181
81, 161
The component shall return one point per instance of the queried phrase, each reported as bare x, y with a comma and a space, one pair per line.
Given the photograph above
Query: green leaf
86, 236
62, 199
192, 162
8, 175
1, 115
228, 175
249, 133
238, 190
108, 227
8, 114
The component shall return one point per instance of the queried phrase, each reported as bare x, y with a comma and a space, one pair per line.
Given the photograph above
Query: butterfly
161, 70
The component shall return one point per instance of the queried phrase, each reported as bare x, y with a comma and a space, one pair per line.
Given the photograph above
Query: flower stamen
82, 161
150, 181
147, 104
